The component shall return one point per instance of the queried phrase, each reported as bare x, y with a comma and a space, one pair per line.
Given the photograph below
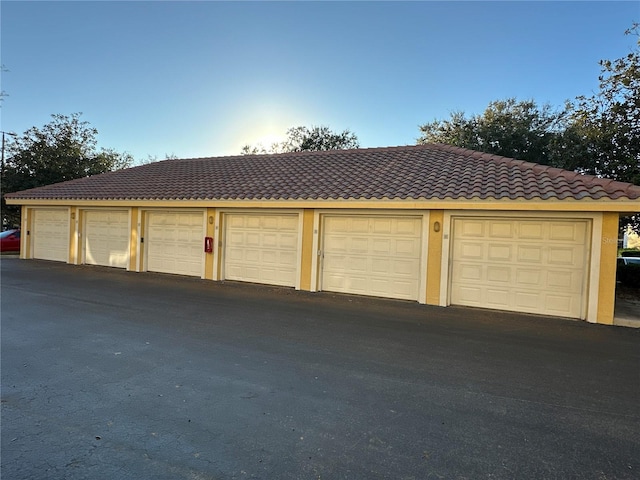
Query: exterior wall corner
607, 277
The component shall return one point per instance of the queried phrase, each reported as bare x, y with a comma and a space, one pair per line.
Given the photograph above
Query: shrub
629, 252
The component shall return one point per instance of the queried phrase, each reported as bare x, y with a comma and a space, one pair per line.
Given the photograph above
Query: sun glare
269, 139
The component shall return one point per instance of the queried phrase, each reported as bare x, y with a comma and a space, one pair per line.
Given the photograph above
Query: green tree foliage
597, 135
303, 138
511, 128
63, 149
603, 133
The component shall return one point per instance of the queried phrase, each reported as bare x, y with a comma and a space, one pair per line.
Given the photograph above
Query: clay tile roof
426, 172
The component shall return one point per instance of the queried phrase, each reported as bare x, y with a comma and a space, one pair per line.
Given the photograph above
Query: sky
199, 79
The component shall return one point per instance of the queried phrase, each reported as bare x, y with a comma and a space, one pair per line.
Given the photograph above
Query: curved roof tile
428, 172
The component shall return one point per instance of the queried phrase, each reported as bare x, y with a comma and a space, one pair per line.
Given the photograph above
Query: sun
270, 138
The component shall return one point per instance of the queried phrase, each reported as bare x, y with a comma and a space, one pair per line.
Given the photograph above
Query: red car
10, 241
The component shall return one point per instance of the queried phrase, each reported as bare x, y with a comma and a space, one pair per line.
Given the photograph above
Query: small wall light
436, 226
73, 216
211, 220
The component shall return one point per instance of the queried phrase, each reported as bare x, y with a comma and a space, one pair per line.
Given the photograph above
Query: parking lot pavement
108, 374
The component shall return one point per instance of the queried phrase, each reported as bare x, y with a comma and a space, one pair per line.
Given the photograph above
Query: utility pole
2, 164
2, 171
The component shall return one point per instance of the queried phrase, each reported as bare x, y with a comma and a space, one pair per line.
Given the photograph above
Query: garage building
434, 224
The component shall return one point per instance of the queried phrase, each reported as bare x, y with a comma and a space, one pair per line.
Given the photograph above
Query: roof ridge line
333, 151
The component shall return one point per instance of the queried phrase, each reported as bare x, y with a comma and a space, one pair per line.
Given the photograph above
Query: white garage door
50, 234
535, 266
175, 243
262, 248
106, 238
379, 256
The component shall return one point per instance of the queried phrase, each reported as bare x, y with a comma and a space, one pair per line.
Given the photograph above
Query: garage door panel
501, 230
334, 263
287, 241
252, 239
564, 256
409, 248
532, 231
528, 278
371, 255
495, 297
380, 266
355, 264
358, 225
289, 223
470, 251
561, 305
106, 238
404, 290
570, 282
471, 229
527, 301
406, 268
174, 242
336, 244
288, 258
500, 253
50, 234
334, 281
381, 226
470, 295
529, 253
269, 275
409, 227
469, 272
356, 284
379, 286
545, 277
358, 245
498, 274
262, 248
381, 246
252, 255
565, 232
269, 240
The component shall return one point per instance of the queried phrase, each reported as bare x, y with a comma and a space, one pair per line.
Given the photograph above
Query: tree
597, 135
511, 128
604, 129
602, 137
314, 139
63, 149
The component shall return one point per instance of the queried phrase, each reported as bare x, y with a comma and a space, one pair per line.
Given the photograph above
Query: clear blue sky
205, 78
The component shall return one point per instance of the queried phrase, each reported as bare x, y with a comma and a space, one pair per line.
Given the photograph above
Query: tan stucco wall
210, 232
133, 241
25, 237
76, 226
434, 257
607, 283
434, 287
617, 206
307, 250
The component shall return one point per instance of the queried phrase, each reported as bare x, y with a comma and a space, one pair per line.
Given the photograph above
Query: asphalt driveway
108, 374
